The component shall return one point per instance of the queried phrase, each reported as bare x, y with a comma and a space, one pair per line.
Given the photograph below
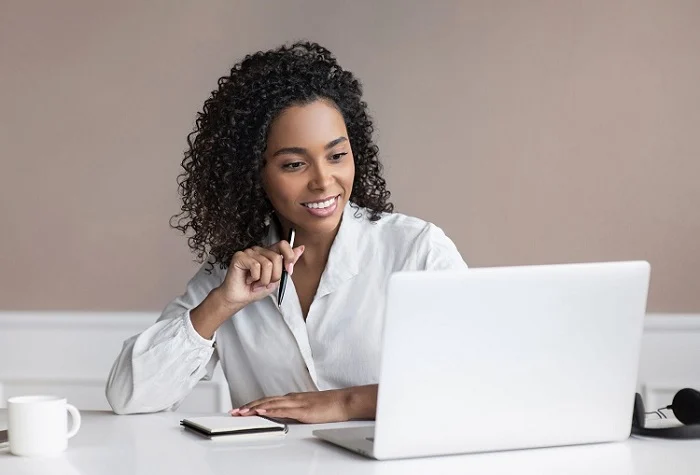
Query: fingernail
261, 411
235, 411
270, 286
290, 268
243, 411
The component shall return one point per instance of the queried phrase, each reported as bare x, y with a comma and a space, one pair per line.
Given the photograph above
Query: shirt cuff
195, 336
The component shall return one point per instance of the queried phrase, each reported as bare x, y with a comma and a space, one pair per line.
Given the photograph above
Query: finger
265, 266
283, 403
276, 259
247, 406
298, 414
294, 399
287, 253
244, 261
258, 401
298, 251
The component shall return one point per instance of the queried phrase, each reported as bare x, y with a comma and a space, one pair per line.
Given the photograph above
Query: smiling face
309, 167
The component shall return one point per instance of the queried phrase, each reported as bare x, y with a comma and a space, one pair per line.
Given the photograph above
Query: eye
293, 165
337, 156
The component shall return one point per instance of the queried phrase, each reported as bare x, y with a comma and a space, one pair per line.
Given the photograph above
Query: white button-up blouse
265, 351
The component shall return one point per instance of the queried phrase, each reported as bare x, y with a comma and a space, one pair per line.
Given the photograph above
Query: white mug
38, 425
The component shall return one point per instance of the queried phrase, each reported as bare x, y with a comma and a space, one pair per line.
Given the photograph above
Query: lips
323, 208
323, 203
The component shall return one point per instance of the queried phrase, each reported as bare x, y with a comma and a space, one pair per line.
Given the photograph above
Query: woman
285, 141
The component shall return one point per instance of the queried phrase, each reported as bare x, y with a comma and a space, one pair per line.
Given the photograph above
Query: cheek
271, 185
349, 173
282, 188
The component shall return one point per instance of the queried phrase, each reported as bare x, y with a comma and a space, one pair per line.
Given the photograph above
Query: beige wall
532, 132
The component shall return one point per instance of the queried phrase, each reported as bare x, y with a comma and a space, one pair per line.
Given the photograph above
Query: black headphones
686, 408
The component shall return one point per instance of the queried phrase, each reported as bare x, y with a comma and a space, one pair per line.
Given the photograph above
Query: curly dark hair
223, 201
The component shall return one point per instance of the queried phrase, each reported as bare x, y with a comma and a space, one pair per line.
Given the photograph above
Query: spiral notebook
228, 427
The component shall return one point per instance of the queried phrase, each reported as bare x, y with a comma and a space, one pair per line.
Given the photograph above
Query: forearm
361, 401
149, 374
214, 310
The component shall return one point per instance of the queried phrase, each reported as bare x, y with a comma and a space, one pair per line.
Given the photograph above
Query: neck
317, 246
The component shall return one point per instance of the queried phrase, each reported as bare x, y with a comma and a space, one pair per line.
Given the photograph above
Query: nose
321, 177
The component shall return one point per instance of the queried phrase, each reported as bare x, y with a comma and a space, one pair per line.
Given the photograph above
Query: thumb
298, 251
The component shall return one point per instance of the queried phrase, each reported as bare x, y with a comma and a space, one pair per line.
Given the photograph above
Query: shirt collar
344, 259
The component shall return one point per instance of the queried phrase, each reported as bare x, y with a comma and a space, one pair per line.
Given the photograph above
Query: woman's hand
254, 273
358, 402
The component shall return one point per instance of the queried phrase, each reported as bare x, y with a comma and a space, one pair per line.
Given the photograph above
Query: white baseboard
71, 353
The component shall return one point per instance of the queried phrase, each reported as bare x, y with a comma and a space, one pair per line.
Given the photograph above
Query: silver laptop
505, 358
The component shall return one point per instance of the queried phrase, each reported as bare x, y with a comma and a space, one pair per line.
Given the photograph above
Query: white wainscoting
670, 358
71, 353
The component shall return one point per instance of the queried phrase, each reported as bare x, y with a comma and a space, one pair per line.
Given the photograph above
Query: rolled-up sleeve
158, 368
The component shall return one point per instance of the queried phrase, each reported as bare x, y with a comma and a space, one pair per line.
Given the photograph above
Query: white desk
155, 444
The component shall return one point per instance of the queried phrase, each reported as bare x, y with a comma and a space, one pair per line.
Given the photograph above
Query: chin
330, 225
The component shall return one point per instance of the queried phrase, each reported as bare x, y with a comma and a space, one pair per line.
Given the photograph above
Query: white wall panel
71, 354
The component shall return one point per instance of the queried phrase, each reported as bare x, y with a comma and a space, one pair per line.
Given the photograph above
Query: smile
322, 204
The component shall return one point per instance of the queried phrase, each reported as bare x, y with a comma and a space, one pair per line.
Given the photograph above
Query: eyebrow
302, 151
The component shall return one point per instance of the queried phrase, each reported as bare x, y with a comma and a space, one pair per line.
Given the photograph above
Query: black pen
283, 278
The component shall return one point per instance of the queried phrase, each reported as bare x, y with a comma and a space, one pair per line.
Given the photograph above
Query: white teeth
321, 205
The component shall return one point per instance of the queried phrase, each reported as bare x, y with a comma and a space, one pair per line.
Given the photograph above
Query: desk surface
155, 443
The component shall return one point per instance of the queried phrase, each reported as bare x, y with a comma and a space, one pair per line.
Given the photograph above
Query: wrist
211, 313
360, 402
225, 301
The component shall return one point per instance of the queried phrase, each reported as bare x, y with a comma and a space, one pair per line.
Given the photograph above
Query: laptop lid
508, 358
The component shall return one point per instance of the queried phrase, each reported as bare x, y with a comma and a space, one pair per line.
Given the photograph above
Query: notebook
228, 427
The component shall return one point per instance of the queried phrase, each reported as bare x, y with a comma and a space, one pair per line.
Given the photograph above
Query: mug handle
75, 415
